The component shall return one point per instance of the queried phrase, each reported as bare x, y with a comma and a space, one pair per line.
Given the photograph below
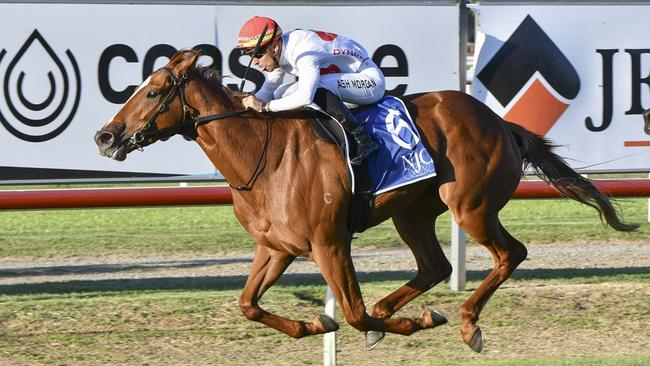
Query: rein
149, 129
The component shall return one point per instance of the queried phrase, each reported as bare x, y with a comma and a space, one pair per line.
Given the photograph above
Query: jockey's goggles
255, 53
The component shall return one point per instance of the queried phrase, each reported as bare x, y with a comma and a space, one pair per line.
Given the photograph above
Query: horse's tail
536, 152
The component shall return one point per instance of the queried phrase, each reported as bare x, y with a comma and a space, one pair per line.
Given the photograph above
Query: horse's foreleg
416, 226
507, 253
335, 264
268, 266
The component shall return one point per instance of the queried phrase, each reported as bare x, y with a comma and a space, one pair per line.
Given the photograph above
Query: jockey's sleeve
271, 83
308, 77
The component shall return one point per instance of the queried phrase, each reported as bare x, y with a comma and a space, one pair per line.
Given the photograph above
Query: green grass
530, 322
570, 361
581, 316
214, 229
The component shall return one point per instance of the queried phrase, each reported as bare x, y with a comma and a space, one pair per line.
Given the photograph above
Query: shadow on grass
95, 268
220, 283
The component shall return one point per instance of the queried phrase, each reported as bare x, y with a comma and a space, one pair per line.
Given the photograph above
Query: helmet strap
275, 31
257, 47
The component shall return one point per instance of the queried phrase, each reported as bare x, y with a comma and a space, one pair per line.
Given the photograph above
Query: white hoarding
579, 75
65, 69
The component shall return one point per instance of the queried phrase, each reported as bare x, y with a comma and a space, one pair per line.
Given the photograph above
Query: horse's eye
152, 94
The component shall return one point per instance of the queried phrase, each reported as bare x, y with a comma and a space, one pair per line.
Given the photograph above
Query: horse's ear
184, 60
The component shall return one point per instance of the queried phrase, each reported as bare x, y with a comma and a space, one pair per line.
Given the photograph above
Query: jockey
330, 68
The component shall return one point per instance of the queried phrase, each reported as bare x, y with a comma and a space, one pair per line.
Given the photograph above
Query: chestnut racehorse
292, 191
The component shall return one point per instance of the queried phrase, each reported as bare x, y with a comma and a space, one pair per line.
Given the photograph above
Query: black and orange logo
529, 51
47, 117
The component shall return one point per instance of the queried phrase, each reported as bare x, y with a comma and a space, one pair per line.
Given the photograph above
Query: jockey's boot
335, 107
365, 144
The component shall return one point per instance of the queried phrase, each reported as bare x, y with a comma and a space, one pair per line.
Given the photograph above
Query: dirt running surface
540, 256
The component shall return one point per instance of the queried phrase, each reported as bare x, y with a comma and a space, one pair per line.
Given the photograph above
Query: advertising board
578, 75
65, 69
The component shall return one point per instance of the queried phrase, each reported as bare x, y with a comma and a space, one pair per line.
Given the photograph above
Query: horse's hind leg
507, 253
268, 266
335, 263
416, 226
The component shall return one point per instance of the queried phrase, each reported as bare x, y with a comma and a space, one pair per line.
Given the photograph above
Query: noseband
178, 89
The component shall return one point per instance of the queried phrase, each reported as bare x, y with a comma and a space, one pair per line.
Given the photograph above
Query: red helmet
252, 30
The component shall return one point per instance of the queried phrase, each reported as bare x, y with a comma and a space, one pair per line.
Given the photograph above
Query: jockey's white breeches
365, 86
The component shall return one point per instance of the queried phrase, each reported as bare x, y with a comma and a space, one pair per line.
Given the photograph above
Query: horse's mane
214, 79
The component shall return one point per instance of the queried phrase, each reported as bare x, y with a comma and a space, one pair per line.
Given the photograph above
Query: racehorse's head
154, 110
646, 118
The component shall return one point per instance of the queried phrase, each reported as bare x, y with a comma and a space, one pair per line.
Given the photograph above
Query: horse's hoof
328, 323
438, 318
373, 338
477, 341
431, 319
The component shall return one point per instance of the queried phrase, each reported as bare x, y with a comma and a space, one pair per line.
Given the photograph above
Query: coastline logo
29, 109
531, 78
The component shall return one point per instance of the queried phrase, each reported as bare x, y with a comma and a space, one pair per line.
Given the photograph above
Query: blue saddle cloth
401, 158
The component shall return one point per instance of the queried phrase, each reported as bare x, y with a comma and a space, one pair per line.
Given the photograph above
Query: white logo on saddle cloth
417, 164
402, 157
395, 130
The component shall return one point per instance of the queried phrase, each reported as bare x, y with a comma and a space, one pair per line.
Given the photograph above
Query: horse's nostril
105, 139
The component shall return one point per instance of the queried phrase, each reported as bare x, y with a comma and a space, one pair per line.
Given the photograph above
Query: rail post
458, 254
329, 339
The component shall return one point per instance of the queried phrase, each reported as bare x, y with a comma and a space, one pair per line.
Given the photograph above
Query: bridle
149, 129
178, 89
